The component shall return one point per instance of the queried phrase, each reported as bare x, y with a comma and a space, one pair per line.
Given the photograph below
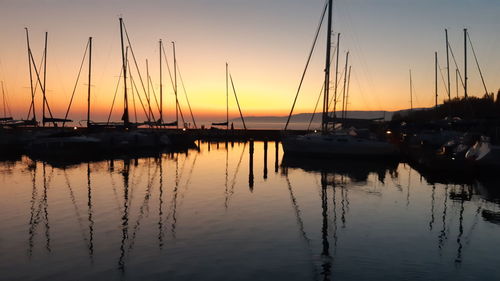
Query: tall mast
44, 79
150, 111
327, 68
347, 92
344, 104
336, 76
126, 120
161, 89
227, 97
465, 61
456, 79
411, 93
448, 63
477, 63
88, 94
3, 100
436, 77
31, 76
175, 89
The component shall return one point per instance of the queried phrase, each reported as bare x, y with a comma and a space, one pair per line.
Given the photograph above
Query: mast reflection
160, 208
230, 191
124, 225
39, 212
326, 266
90, 214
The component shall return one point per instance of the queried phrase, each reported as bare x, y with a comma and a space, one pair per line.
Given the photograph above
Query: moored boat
337, 144
331, 141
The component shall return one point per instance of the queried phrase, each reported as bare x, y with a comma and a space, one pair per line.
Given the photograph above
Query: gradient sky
266, 43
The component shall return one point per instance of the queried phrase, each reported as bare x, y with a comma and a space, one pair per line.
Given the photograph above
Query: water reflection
230, 187
335, 178
344, 174
250, 167
187, 214
124, 225
39, 209
352, 170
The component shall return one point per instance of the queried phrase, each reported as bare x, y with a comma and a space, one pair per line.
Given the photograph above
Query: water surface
222, 213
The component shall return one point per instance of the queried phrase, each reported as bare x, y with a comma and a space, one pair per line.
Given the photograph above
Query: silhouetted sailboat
328, 142
230, 78
64, 143
4, 102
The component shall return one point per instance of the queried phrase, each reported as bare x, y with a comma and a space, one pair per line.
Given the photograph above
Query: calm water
210, 215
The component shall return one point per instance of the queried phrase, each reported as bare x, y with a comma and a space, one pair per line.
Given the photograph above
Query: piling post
276, 147
250, 172
265, 159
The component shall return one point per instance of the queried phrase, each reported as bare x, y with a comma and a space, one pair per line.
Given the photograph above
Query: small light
184, 129
74, 128
315, 131
388, 132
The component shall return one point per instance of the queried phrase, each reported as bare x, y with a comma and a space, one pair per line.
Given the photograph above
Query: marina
251, 140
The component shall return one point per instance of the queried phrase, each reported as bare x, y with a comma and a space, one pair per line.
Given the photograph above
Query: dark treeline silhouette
470, 108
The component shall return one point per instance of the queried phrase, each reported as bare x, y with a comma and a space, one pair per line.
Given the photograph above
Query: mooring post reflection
276, 156
250, 166
265, 160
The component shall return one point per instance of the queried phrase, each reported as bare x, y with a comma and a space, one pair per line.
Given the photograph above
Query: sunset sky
265, 42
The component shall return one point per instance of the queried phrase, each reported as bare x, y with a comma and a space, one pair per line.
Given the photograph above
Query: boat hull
329, 146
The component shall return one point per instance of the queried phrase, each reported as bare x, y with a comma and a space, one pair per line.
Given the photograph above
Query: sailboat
327, 143
126, 136
62, 143
226, 123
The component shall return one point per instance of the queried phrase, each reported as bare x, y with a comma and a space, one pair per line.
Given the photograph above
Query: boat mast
411, 93
436, 77
227, 97
90, 72
3, 100
336, 77
465, 62
161, 89
126, 120
448, 63
175, 89
347, 91
344, 104
44, 79
148, 80
477, 64
31, 76
327, 69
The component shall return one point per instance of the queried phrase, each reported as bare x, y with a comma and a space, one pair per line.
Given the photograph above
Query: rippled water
220, 214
